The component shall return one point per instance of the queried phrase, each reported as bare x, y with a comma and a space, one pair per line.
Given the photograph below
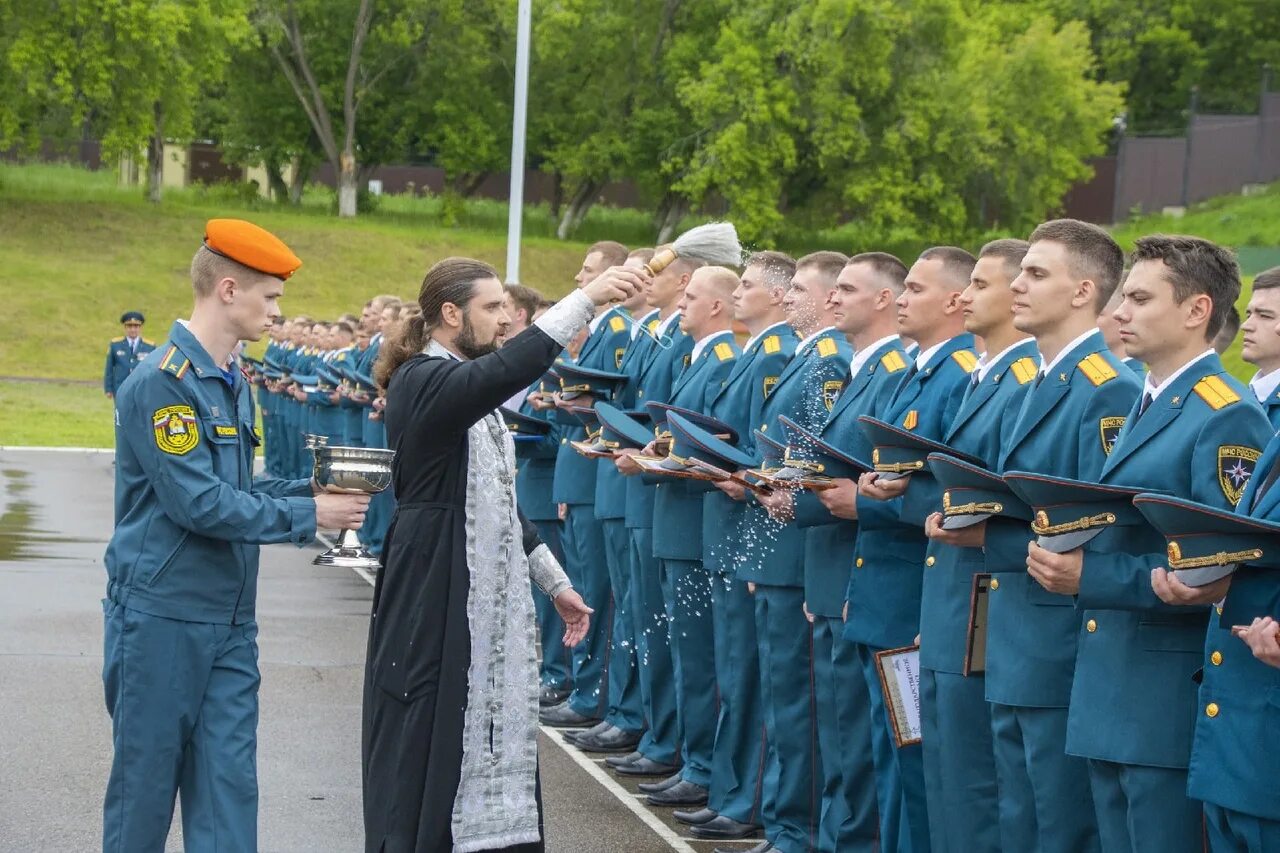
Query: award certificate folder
899, 671
975, 648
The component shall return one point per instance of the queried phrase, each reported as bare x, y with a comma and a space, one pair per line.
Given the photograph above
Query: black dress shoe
612, 739
694, 818
549, 696
648, 767
681, 794
725, 828
598, 728
763, 847
653, 787
563, 717
616, 761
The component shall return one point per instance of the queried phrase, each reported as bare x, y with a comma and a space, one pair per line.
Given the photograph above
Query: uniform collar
1067, 350
805, 343
985, 364
1156, 390
1264, 386
862, 356
778, 326
703, 343
201, 362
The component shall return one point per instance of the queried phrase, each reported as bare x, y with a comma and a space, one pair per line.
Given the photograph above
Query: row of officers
756, 524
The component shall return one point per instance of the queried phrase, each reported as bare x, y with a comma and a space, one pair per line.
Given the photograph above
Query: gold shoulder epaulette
174, 362
1024, 370
653, 324
772, 344
966, 359
617, 324
1096, 369
1216, 393
892, 361
723, 351
827, 347
118, 340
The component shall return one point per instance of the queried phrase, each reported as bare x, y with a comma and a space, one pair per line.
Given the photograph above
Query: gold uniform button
930, 561
1091, 626
1219, 609
995, 584
1211, 710
1216, 658
858, 562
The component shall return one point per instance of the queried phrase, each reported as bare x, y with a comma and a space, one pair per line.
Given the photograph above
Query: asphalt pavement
55, 737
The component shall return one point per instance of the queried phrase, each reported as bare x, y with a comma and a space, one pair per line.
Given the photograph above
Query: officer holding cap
180, 654
125, 352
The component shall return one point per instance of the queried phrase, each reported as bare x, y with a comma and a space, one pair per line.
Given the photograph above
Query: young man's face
700, 305
1044, 289
132, 329
592, 265
927, 293
1260, 342
484, 320
853, 301
255, 307
755, 296
665, 287
988, 302
805, 302
1151, 320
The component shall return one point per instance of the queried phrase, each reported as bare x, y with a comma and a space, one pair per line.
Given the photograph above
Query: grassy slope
76, 251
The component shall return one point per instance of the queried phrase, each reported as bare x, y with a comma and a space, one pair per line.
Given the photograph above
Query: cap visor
1206, 575
1065, 542
959, 522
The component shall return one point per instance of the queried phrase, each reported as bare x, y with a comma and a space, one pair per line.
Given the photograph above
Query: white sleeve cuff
567, 317
545, 571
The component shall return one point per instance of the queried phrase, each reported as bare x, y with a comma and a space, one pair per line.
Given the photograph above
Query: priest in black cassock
451, 680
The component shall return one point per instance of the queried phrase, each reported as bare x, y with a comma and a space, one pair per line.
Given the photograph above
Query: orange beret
255, 247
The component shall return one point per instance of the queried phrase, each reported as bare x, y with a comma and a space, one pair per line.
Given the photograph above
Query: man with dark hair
524, 303
609, 252
1066, 426
1227, 334
1196, 433
125, 352
1261, 344
884, 588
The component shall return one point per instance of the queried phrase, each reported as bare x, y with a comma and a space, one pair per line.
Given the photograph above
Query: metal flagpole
515, 207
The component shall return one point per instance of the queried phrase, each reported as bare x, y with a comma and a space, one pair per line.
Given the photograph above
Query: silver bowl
349, 470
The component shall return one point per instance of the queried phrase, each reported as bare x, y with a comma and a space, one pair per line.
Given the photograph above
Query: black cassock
416, 674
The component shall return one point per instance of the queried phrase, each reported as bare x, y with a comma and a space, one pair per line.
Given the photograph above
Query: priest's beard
467, 344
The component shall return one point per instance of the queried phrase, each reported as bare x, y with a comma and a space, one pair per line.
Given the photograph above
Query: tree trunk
347, 185
583, 198
676, 208
557, 193
298, 181
155, 158
275, 182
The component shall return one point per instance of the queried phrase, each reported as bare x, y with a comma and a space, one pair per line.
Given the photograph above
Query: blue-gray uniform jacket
888, 571
829, 542
806, 392
1236, 751
1133, 700
985, 420
189, 515
677, 509
1271, 407
537, 470
740, 404
1068, 424
121, 360
611, 484
575, 481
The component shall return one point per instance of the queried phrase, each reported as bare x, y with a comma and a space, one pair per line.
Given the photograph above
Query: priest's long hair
450, 280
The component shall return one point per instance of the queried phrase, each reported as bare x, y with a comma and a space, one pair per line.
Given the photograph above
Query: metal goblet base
348, 553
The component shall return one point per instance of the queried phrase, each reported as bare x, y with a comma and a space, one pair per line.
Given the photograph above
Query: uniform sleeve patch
1236, 464
827, 347
1024, 370
772, 344
892, 361
911, 420
618, 355
769, 382
617, 324
1096, 369
830, 391
724, 352
1109, 429
1216, 393
176, 430
966, 359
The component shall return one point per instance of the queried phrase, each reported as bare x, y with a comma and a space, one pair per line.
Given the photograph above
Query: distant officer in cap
180, 654
126, 352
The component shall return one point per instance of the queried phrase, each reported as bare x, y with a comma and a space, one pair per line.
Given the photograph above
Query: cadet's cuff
567, 317
303, 516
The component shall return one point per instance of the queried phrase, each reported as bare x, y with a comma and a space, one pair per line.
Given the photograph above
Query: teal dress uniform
771, 555
655, 371
123, 355
959, 760
849, 813
737, 762
180, 665
353, 412
582, 537
267, 408
1235, 751
1067, 425
1266, 389
686, 584
1136, 366
1133, 702
885, 585
382, 506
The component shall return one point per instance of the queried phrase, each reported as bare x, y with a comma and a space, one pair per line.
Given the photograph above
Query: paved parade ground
55, 519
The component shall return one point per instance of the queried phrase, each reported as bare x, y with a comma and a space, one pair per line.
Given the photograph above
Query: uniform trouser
1143, 808
737, 761
686, 589
1045, 802
183, 700
268, 441
382, 508
626, 711
583, 540
661, 742
555, 667
785, 641
1231, 831
849, 817
959, 763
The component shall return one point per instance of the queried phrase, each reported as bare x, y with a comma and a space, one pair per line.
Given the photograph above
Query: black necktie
1144, 405
1040, 378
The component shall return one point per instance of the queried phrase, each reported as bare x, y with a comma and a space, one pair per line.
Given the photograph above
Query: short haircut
723, 280
828, 264
1008, 249
685, 265
615, 254
956, 262
208, 268
524, 297
778, 267
1227, 334
891, 271
344, 327
644, 255
1267, 279
380, 302
1193, 266
1093, 254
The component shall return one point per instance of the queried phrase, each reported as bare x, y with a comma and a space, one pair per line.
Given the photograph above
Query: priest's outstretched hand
616, 284
576, 615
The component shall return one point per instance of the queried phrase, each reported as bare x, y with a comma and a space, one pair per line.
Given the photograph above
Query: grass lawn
54, 414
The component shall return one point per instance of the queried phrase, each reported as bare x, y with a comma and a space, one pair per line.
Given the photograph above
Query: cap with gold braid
971, 494
1206, 543
900, 452
1069, 513
807, 454
248, 244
